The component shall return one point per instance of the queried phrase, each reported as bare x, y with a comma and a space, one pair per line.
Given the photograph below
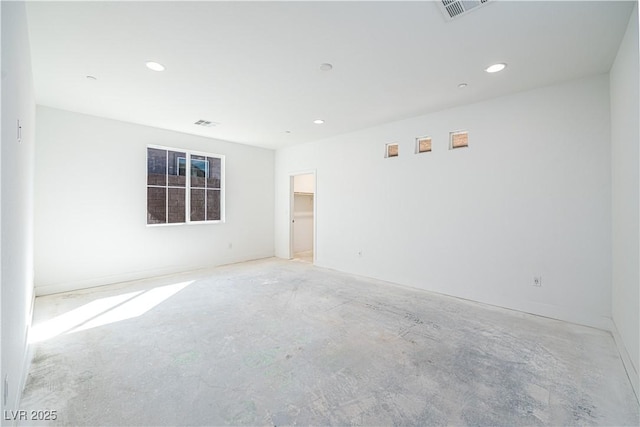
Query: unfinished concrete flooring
274, 342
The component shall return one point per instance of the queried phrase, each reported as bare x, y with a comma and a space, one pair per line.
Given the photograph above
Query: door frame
291, 209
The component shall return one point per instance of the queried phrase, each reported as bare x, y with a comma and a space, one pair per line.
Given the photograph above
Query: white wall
626, 198
90, 212
530, 196
16, 199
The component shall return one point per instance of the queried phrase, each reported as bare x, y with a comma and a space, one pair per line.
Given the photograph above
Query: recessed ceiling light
91, 78
155, 66
318, 121
462, 85
326, 67
495, 68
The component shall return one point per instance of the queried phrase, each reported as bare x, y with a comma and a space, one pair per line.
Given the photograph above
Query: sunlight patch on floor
104, 311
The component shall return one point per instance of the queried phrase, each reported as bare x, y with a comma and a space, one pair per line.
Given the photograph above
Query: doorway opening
302, 217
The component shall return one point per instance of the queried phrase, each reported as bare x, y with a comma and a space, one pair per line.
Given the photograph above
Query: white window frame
187, 187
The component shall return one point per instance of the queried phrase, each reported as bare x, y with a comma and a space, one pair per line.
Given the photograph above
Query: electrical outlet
19, 136
5, 393
537, 281
230, 245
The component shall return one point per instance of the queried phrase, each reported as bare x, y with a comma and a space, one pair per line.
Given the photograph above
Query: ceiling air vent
205, 123
455, 8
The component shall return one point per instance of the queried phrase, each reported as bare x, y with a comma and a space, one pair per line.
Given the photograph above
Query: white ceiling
254, 66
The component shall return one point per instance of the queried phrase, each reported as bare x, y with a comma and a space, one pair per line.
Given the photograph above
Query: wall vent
455, 8
206, 123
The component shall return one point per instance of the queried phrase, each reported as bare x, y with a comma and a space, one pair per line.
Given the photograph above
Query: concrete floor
306, 256
276, 342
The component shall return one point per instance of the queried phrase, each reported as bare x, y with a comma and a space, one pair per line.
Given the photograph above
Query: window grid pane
213, 205
199, 171
176, 176
459, 139
198, 201
215, 171
168, 181
156, 205
391, 150
156, 166
424, 145
176, 205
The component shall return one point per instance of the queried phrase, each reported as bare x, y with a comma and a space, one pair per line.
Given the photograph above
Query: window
183, 186
391, 150
458, 139
423, 145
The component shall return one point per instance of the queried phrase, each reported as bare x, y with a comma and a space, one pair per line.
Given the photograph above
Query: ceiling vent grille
455, 8
205, 123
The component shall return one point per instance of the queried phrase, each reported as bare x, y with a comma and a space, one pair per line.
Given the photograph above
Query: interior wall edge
625, 200
18, 141
632, 373
601, 322
26, 362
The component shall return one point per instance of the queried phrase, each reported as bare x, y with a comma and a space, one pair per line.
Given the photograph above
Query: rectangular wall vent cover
455, 8
206, 123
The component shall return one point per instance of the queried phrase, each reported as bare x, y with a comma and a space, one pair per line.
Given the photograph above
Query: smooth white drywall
625, 194
17, 199
530, 196
90, 211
